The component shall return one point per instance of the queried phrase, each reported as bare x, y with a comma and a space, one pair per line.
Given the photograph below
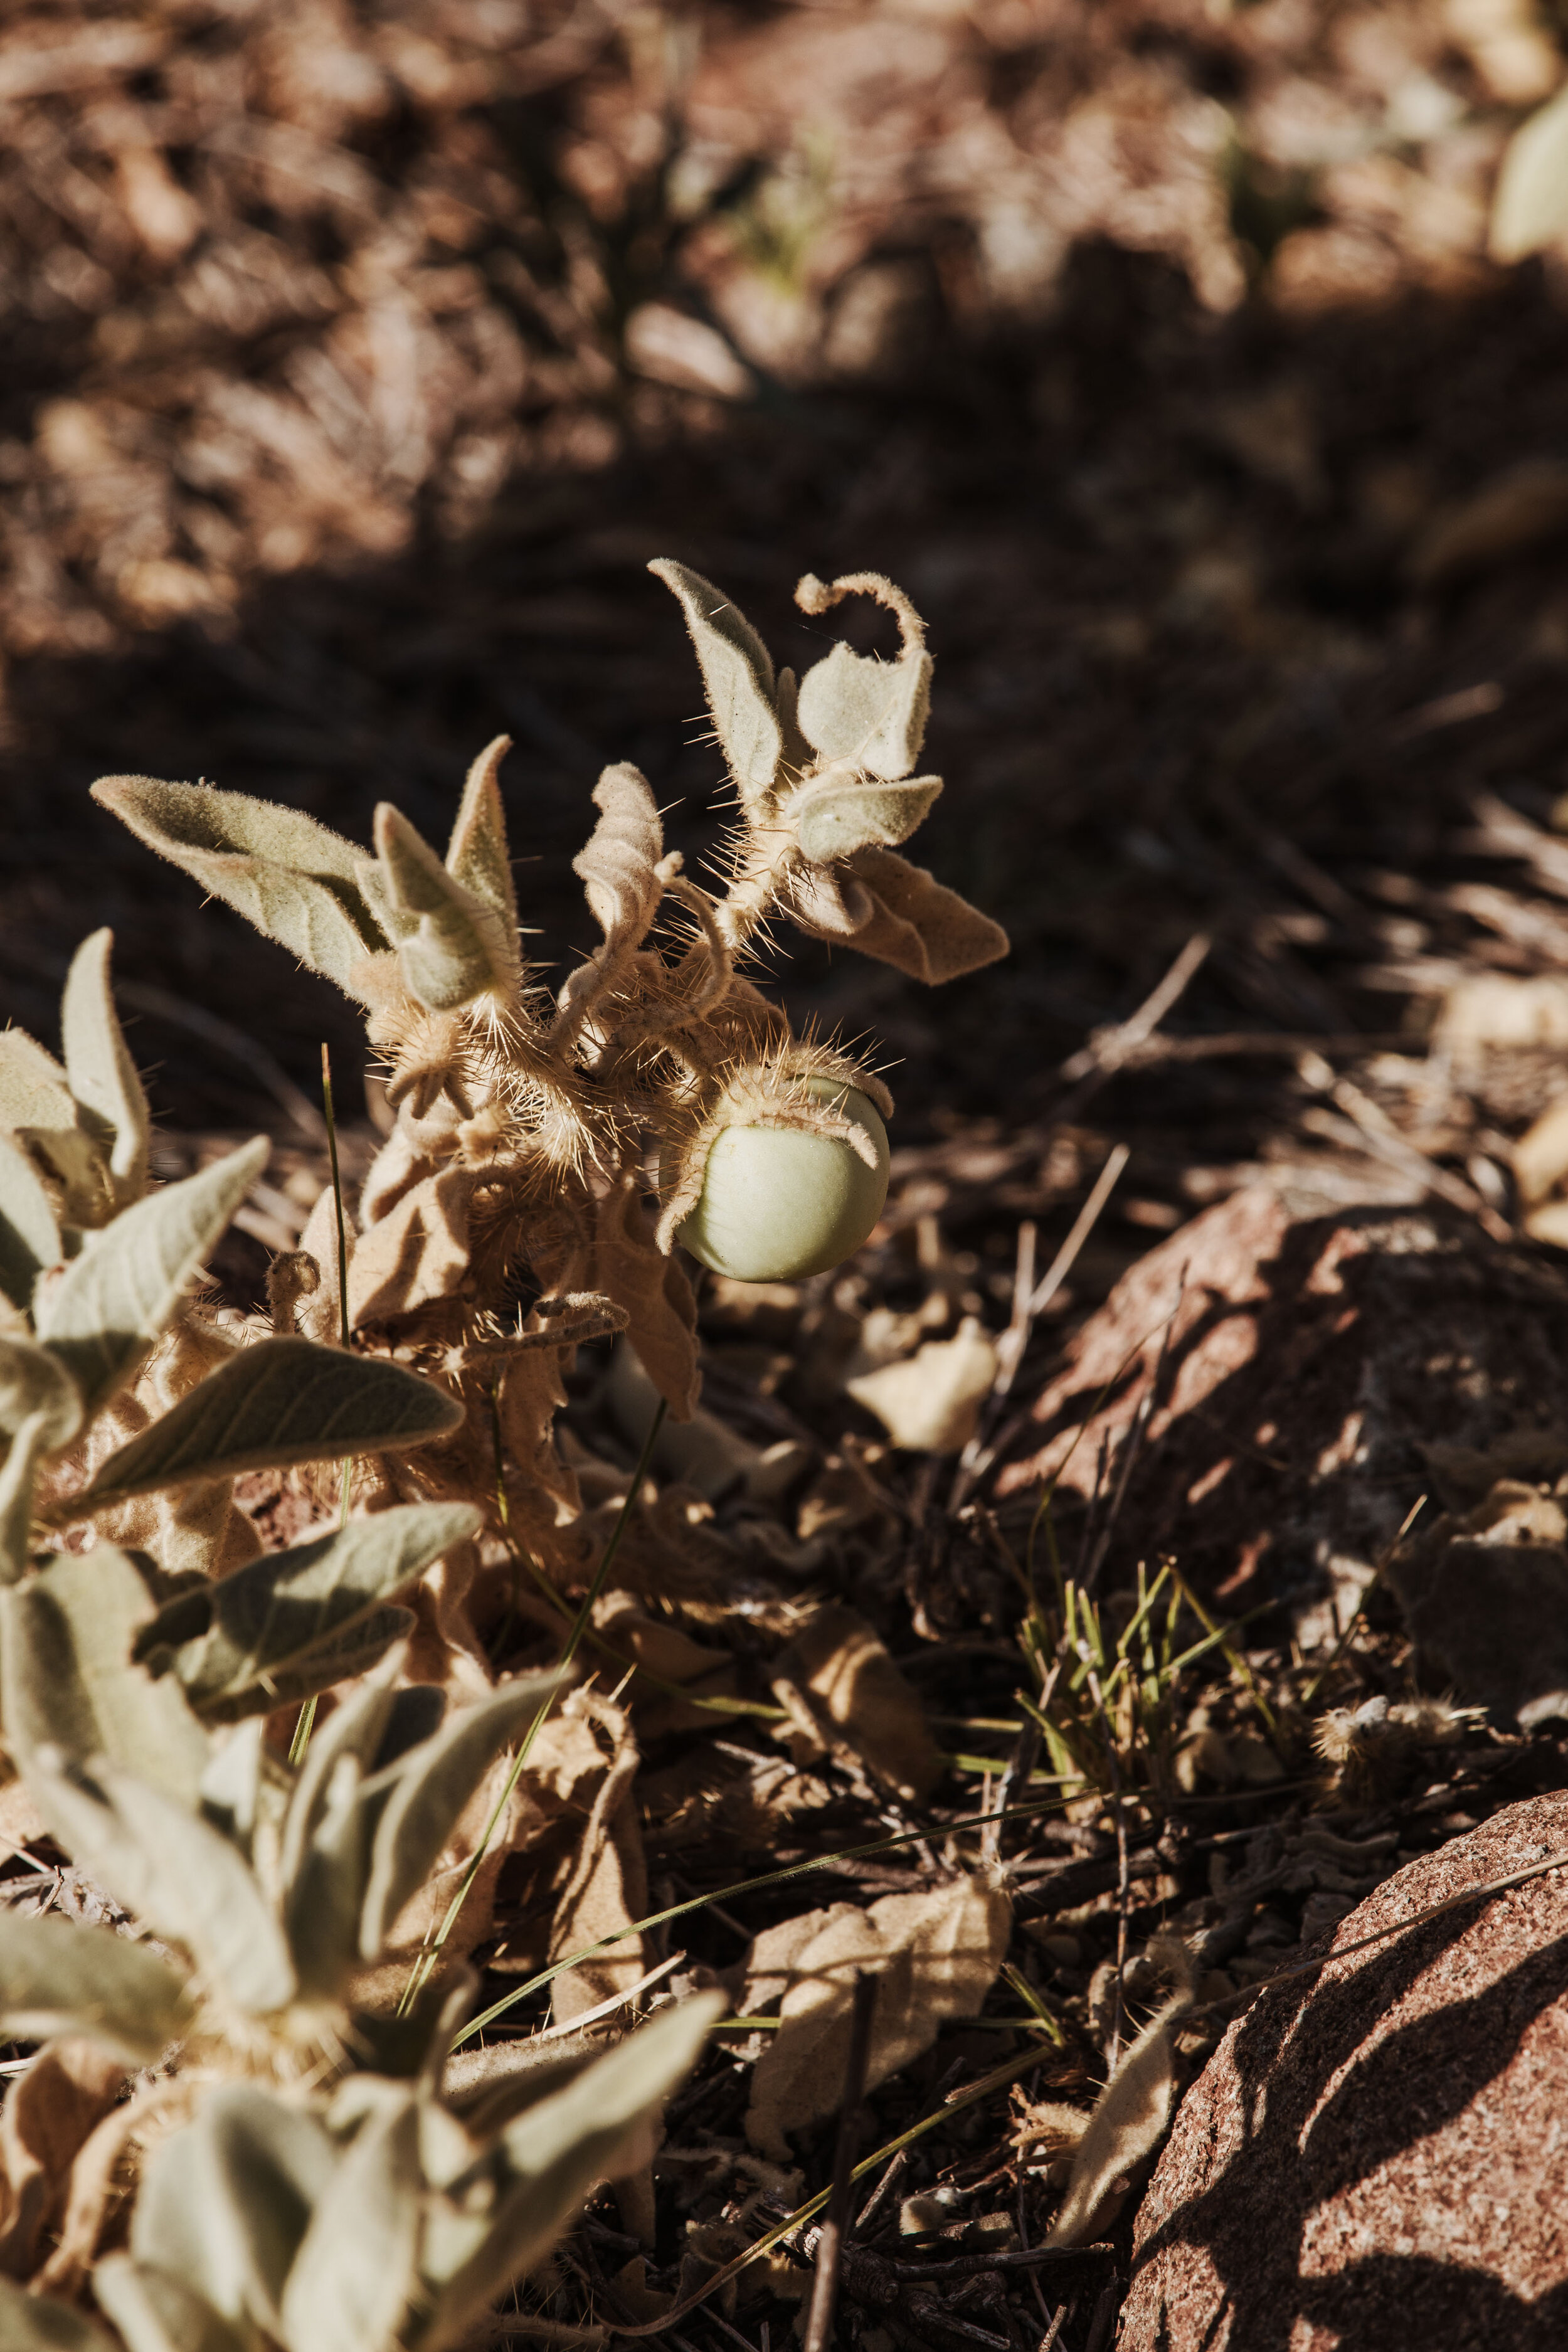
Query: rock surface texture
1378, 2155
1302, 1380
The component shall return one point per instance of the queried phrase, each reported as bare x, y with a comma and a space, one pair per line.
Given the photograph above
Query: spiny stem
420, 1974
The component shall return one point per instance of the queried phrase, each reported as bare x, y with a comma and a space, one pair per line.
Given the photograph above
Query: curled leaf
285, 873
277, 1403
738, 673
618, 866
40, 1114
453, 946
102, 1315
57, 1976
857, 709
103, 1077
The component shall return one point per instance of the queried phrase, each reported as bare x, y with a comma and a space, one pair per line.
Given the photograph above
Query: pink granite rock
1377, 2155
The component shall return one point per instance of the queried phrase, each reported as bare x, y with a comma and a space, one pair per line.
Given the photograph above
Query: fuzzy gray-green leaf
38, 2323
103, 1077
156, 2312
59, 1978
429, 1788
287, 874
868, 713
738, 673
225, 2203
269, 1613
17, 1470
453, 946
350, 2283
109, 1305
173, 1870
279, 1402
477, 855
835, 818
549, 2158
32, 1380
29, 1233
67, 1680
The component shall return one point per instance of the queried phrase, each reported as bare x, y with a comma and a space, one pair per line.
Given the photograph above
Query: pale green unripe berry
779, 1203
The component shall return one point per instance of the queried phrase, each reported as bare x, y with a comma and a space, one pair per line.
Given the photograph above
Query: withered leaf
618, 866
918, 925
1129, 2122
839, 1661
662, 1312
932, 1402
935, 1954
418, 1251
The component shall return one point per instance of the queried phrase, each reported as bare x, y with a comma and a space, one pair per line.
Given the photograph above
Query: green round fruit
778, 1204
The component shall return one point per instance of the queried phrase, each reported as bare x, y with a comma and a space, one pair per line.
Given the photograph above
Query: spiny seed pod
784, 1171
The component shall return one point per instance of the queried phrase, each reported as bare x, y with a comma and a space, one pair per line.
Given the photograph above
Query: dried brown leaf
936, 1954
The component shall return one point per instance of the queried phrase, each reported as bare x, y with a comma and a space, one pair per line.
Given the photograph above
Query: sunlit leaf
477, 855
57, 1976
279, 1402
834, 819
549, 2158
430, 1788
103, 1077
67, 1680
351, 2279
287, 875
110, 1304
919, 925
738, 673
170, 1869
224, 2203
453, 946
